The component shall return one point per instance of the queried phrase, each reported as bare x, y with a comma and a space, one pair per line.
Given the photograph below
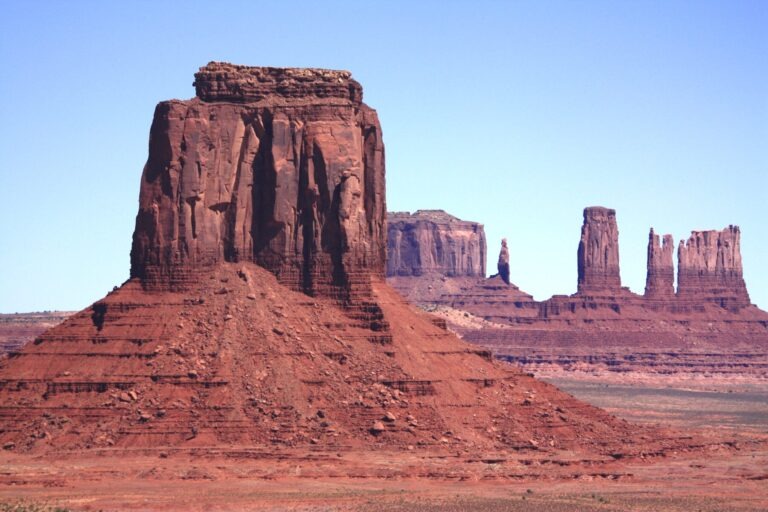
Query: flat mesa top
438, 216
598, 211
222, 81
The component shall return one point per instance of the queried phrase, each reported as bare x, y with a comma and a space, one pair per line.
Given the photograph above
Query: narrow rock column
660, 277
598, 255
503, 264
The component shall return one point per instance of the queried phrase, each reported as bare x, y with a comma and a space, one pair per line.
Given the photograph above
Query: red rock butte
280, 167
434, 242
256, 317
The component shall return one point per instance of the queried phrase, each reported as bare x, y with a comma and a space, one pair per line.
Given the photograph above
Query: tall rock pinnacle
598, 255
660, 277
710, 269
280, 166
503, 264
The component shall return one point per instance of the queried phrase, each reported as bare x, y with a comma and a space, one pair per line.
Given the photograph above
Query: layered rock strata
660, 277
281, 167
433, 241
710, 268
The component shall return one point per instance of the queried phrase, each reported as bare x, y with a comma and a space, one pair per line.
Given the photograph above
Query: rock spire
660, 277
503, 264
598, 255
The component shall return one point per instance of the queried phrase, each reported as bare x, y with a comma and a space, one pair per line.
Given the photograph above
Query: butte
257, 317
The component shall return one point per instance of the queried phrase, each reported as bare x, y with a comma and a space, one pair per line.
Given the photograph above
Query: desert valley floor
731, 477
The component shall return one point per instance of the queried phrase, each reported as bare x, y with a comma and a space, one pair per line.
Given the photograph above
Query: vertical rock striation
660, 277
434, 242
598, 255
710, 268
283, 167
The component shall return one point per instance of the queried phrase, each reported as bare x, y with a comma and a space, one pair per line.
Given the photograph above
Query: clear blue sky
514, 114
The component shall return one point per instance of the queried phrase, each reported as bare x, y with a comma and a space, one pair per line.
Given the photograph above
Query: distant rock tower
598, 256
660, 277
503, 265
709, 268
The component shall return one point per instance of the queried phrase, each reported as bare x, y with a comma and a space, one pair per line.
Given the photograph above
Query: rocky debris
660, 279
710, 269
434, 242
598, 255
503, 264
279, 166
378, 427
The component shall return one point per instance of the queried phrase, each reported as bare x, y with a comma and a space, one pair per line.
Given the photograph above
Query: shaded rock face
660, 278
503, 264
598, 254
710, 268
434, 242
281, 167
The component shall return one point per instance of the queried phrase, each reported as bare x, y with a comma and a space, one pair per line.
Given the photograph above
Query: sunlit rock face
434, 242
598, 254
710, 269
660, 277
283, 167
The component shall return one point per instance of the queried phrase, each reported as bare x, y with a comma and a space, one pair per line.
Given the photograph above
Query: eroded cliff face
598, 254
710, 269
279, 166
660, 276
434, 242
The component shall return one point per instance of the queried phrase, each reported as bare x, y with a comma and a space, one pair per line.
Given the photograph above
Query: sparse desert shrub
30, 506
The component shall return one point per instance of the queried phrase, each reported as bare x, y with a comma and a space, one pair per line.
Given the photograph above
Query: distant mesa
434, 242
